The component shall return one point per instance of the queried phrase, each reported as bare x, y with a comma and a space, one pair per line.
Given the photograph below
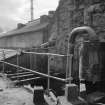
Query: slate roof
29, 27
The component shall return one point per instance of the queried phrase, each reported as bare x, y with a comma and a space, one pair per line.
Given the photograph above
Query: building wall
22, 41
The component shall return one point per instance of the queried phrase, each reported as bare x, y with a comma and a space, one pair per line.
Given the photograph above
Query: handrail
7, 50
35, 53
19, 52
44, 53
42, 74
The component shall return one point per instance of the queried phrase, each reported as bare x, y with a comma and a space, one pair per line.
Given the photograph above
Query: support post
18, 53
70, 66
48, 72
30, 61
68, 61
67, 66
17, 62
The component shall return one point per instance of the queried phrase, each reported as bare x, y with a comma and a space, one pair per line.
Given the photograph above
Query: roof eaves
26, 31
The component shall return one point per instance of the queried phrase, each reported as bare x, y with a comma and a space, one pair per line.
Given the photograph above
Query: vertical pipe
48, 72
68, 59
67, 68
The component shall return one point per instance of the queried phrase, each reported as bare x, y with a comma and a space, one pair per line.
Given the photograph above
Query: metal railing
68, 67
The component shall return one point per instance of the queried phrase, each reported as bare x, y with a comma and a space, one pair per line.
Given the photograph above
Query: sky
18, 11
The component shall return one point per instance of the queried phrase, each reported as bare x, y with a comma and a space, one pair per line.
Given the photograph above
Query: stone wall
74, 13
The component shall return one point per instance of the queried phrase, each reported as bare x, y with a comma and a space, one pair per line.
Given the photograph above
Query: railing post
48, 72
68, 61
67, 67
18, 53
30, 60
70, 66
17, 61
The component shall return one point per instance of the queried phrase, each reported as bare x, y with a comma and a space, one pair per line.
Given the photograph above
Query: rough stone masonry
73, 13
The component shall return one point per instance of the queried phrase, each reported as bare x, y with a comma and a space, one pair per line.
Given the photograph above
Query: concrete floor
10, 95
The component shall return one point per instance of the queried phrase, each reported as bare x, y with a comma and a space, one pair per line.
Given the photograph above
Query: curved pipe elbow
84, 29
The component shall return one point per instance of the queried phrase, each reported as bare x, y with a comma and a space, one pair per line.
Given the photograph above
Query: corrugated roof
30, 27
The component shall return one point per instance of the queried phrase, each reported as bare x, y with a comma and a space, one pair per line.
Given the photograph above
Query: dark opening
93, 70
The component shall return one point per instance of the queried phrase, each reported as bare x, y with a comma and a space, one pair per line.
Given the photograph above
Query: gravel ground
10, 95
